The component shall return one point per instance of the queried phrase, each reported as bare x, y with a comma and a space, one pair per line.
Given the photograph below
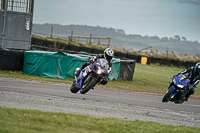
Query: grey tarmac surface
16, 93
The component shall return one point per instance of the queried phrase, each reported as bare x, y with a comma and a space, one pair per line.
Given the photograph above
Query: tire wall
127, 68
11, 60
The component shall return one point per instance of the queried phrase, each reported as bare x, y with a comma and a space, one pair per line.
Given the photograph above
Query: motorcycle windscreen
183, 78
104, 63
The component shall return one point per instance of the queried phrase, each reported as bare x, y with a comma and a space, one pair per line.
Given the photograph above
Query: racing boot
187, 97
182, 99
189, 94
185, 93
73, 83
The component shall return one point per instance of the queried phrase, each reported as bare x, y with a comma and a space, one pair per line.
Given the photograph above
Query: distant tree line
120, 38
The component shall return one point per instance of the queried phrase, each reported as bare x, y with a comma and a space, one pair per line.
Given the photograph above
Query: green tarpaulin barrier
115, 69
58, 64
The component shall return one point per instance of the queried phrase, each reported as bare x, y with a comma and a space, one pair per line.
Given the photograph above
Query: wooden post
71, 39
87, 41
109, 42
99, 41
156, 52
167, 51
90, 42
174, 56
51, 32
151, 49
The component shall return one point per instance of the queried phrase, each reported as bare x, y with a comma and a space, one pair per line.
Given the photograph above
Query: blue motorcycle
176, 89
90, 76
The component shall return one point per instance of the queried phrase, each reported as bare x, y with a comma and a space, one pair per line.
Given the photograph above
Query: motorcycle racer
108, 55
194, 77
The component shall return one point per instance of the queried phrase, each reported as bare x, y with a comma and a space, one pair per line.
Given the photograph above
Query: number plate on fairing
87, 70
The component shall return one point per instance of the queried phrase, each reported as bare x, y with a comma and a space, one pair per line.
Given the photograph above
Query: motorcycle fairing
94, 67
181, 80
81, 76
177, 81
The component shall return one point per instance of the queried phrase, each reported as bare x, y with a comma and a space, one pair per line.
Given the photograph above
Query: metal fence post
12, 5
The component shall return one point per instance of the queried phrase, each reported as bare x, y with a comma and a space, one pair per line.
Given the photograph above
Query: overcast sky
163, 18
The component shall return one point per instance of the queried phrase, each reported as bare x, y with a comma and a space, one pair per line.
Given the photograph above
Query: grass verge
28, 121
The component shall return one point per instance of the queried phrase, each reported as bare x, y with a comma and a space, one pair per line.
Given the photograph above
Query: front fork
176, 91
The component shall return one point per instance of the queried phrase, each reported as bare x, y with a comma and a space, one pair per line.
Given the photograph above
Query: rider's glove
109, 71
176, 75
93, 58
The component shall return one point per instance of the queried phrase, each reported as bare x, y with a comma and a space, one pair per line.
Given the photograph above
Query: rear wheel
88, 85
168, 95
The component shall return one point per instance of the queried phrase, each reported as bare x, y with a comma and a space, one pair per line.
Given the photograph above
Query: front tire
168, 95
88, 86
73, 89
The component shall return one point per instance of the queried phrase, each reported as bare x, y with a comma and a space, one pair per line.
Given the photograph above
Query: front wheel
88, 85
168, 95
74, 89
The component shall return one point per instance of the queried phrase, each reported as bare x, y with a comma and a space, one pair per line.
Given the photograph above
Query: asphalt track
135, 105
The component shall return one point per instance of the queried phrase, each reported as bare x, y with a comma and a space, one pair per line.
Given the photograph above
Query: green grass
21, 75
147, 78
31, 121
